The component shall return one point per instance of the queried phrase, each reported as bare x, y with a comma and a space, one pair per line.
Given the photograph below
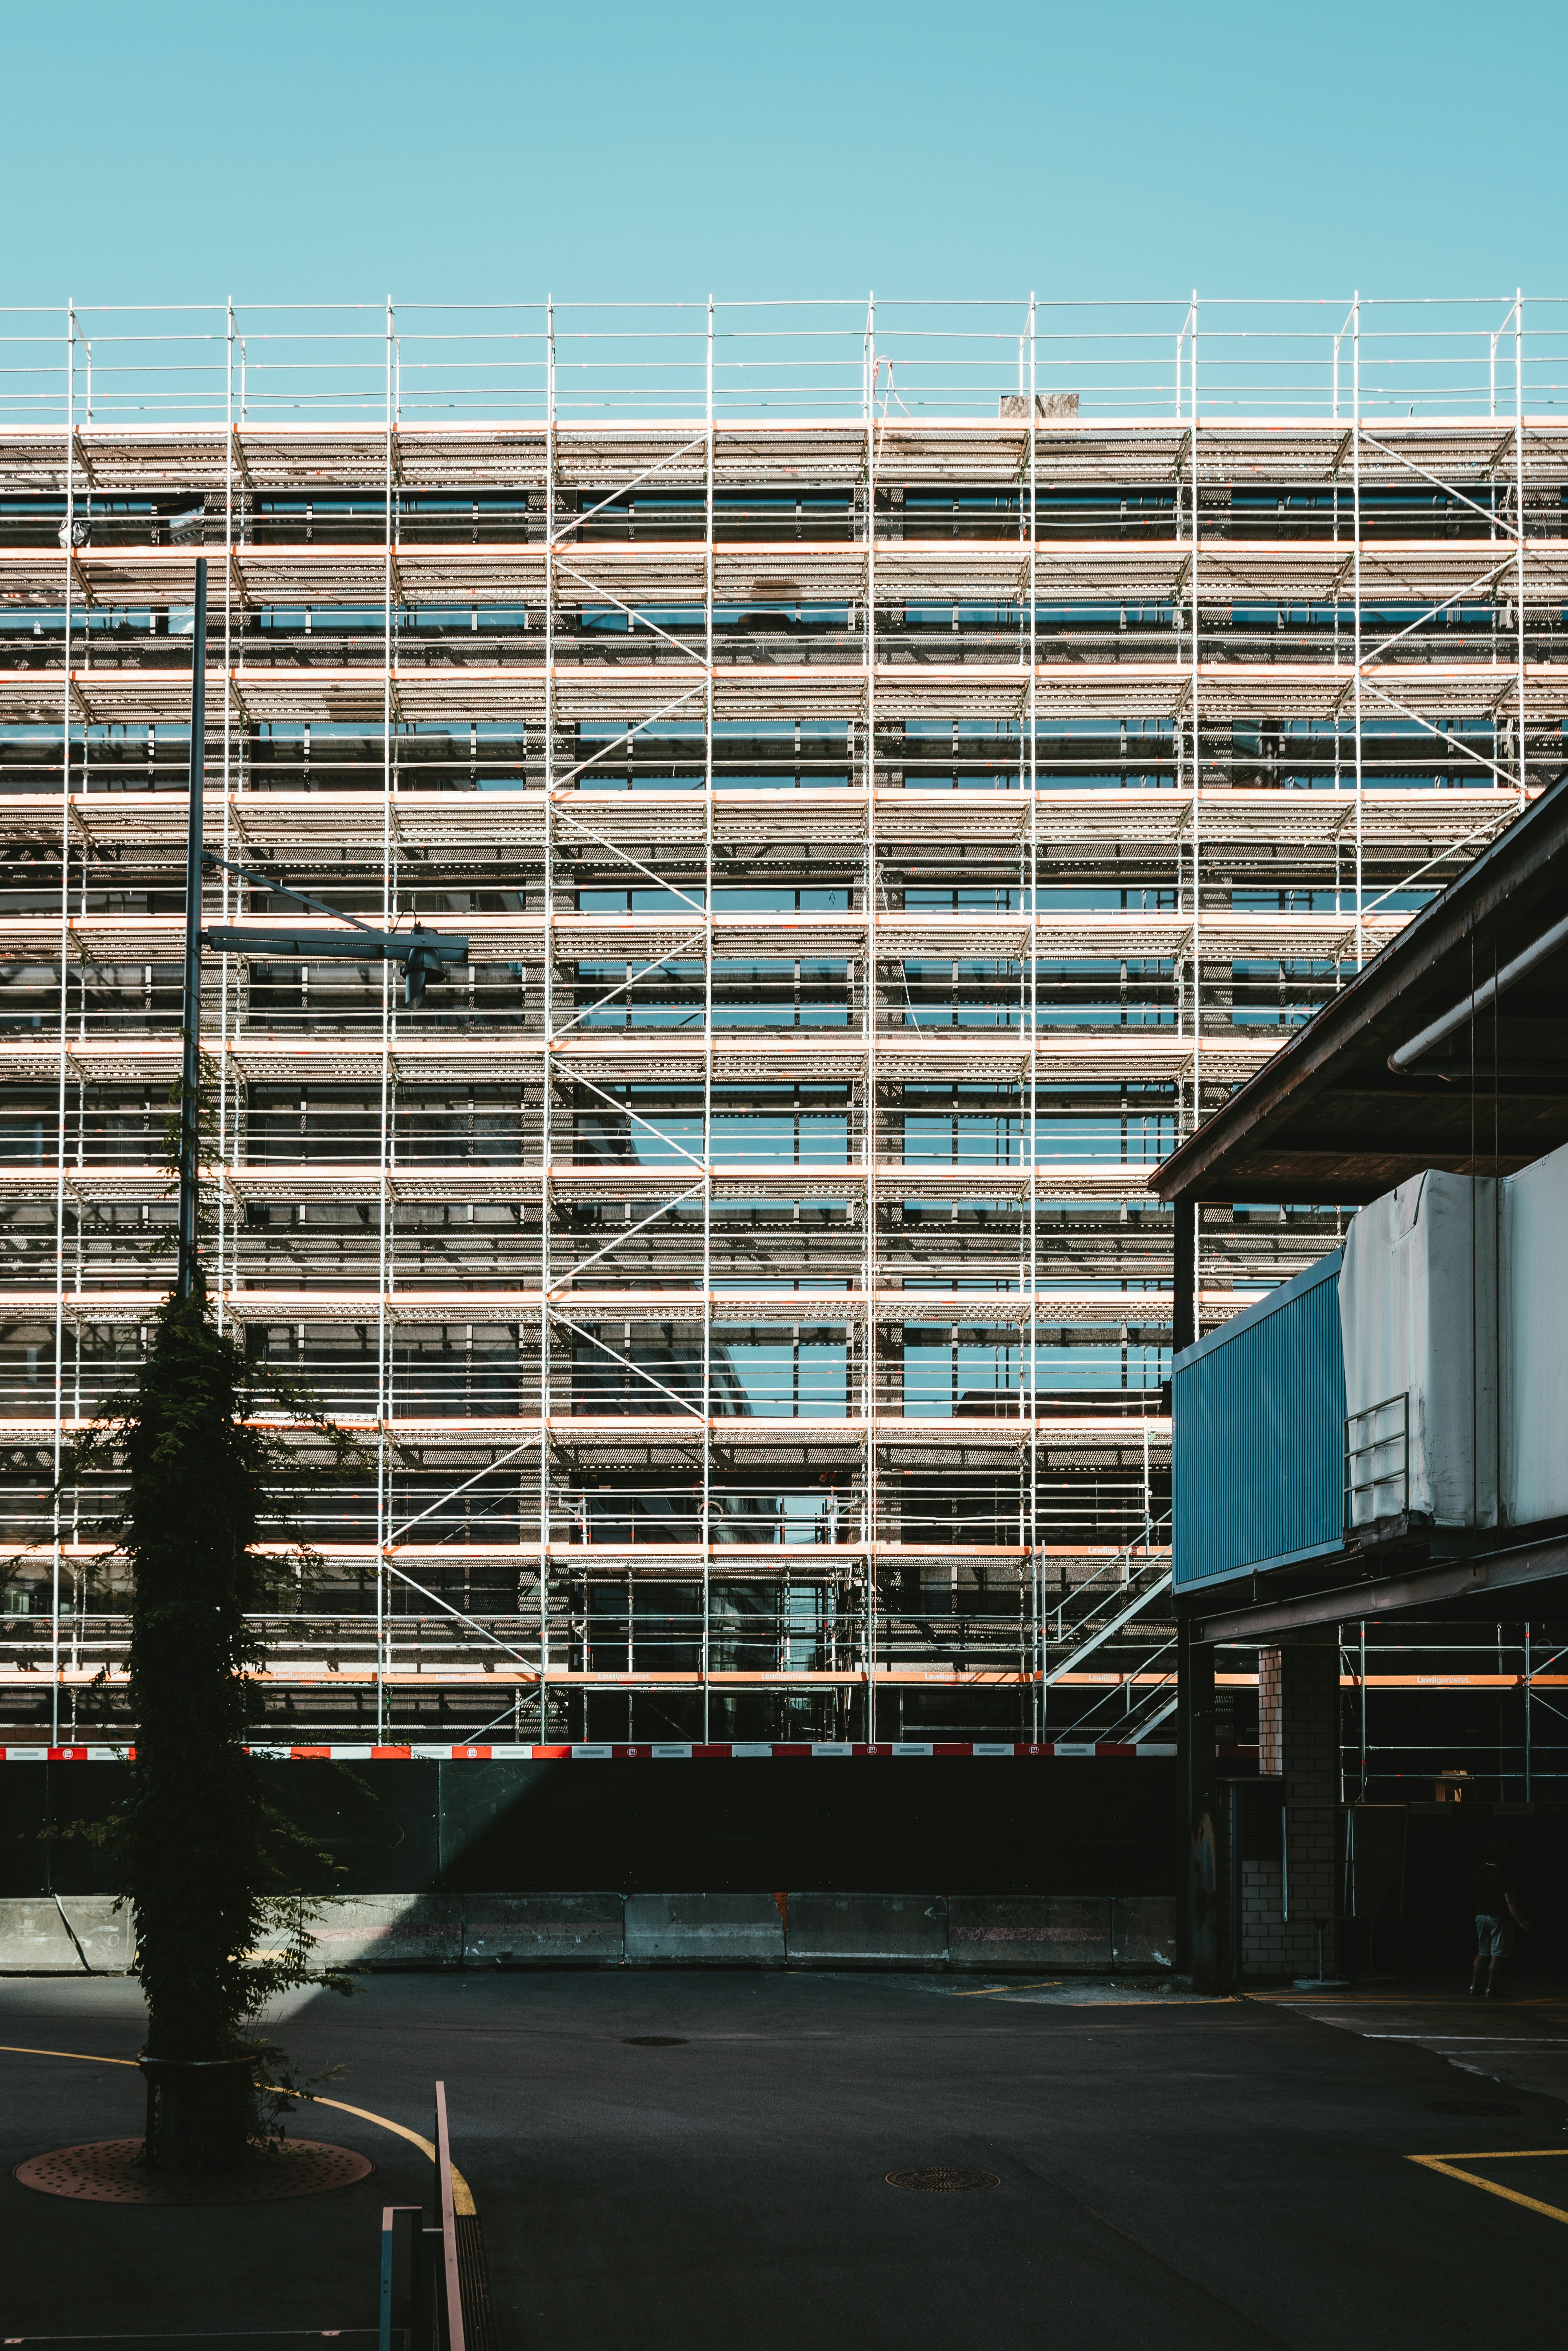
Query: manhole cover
942, 2180
109, 2171
654, 2040
1473, 2106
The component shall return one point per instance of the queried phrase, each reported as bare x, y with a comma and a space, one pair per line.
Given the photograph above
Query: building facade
889, 788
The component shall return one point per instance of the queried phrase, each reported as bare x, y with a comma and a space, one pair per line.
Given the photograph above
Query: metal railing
434, 2293
1377, 1462
860, 357
1104, 1607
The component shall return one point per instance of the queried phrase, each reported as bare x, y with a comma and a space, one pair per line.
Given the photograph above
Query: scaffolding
895, 766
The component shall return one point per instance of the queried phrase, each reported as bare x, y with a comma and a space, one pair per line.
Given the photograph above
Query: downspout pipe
1404, 1057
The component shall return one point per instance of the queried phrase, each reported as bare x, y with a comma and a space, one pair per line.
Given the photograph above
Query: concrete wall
68, 1934
704, 1930
867, 1930
389, 1930
1030, 1930
515, 1930
988, 1933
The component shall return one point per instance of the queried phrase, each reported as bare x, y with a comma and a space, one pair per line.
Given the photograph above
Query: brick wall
1271, 1718
1268, 1949
1298, 1741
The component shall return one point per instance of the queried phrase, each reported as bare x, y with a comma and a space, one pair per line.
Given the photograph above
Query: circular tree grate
110, 2171
942, 2180
1473, 2106
654, 2040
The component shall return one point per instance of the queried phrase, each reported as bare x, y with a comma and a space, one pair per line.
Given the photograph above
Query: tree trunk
201, 2113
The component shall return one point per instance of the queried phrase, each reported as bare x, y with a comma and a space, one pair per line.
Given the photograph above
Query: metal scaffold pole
1519, 529
872, 910
547, 1014
1196, 814
68, 541
1031, 1403
706, 1530
384, 1259
1355, 611
229, 1131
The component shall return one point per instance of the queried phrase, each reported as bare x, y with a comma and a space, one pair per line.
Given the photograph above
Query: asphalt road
1521, 2042
1171, 2173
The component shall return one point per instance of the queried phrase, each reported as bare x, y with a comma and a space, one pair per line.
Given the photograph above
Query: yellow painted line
462, 2194
990, 1991
1168, 2000
1398, 2000
81, 2056
1449, 2167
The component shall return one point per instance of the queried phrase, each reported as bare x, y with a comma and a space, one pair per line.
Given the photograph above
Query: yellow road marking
1052, 1984
1449, 2167
1165, 2000
1398, 2000
82, 2056
462, 2194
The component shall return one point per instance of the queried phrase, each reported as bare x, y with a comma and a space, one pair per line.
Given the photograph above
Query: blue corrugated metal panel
1257, 1414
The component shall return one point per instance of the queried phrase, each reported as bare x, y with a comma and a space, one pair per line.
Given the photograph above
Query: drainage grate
110, 2171
653, 2040
1473, 2106
942, 2180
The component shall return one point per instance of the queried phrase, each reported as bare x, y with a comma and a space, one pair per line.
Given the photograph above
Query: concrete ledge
1143, 1931
389, 1930
519, 1930
993, 1933
868, 1931
34, 1939
105, 1935
1038, 1931
704, 1929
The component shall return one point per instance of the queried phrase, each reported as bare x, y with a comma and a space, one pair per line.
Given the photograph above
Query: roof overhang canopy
1449, 1049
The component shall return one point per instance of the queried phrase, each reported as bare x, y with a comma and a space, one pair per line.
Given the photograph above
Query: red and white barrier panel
720, 1751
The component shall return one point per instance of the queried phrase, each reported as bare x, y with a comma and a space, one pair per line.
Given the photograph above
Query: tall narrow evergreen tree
211, 1868
197, 1832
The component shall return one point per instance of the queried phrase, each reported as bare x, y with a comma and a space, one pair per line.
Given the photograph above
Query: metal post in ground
68, 539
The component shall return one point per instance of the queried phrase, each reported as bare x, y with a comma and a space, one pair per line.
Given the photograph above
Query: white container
1418, 1316
1535, 1341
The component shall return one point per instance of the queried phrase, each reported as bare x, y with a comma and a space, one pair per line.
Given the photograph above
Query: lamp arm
266, 882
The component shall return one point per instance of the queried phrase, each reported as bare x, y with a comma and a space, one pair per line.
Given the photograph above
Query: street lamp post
189, 1277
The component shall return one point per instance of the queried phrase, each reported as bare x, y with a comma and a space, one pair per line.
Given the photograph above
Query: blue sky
158, 151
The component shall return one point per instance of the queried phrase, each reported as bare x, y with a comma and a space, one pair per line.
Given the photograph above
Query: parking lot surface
700, 2160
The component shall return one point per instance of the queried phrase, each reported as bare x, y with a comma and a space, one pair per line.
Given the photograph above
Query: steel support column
1198, 1945
1198, 1812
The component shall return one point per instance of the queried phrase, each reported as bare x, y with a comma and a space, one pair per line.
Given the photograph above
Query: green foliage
198, 1447
209, 1863
201, 1847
